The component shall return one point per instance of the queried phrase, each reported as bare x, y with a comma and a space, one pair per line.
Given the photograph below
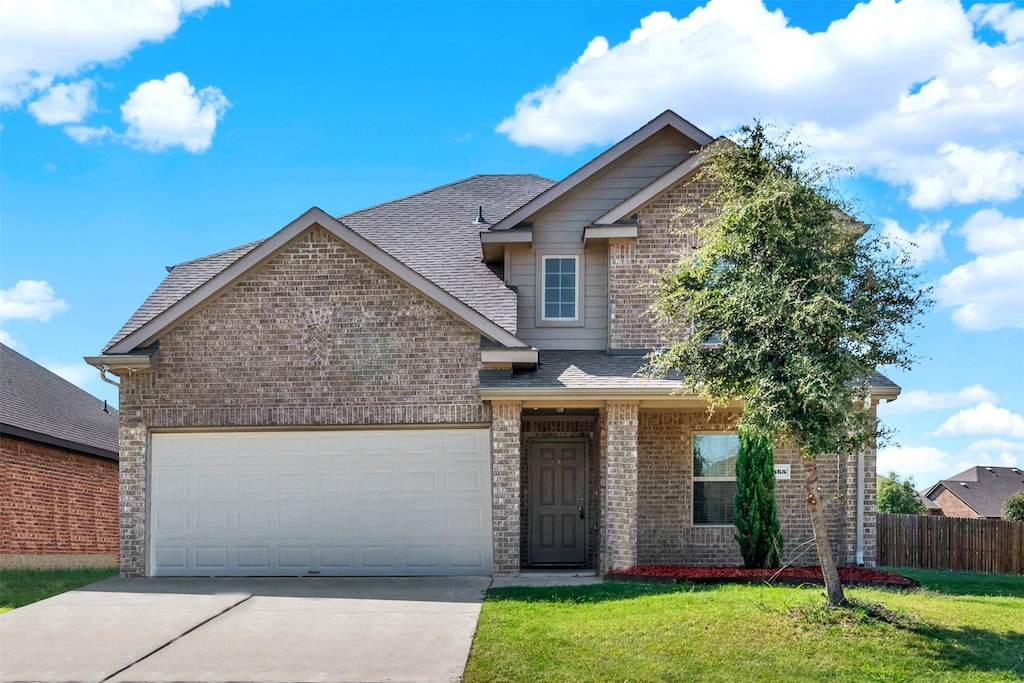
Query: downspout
103, 375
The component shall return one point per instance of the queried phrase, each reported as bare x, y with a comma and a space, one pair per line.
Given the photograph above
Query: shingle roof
600, 370
181, 281
581, 370
432, 232
435, 233
39, 405
984, 489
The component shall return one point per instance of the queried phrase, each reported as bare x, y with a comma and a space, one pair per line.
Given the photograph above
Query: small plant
1013, 507
757, 520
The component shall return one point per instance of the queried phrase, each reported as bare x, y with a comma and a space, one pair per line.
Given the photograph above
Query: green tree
898, 497
805, 303
757, 521
1013, 507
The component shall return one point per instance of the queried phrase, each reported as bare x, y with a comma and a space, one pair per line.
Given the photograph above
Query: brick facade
661, 237
316, 336
505, 486
55, 501
619, 427
666, 534
953, 506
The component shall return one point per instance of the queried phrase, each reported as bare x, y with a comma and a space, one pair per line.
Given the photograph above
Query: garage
398, 502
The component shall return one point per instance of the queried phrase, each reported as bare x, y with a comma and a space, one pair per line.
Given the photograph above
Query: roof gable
260, 252
983, 489
667, 119
38, 405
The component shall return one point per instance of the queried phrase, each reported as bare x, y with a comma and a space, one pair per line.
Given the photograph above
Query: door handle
582, 516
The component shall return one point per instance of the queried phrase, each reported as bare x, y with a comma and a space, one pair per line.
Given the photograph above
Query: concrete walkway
219, 630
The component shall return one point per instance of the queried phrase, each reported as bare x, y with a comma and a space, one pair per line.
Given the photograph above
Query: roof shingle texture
985, 489
433, 232
33, 399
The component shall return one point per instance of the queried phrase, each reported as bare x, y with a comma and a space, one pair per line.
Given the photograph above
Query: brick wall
506, 455
619, 429
953, 506
54, 501
665, 533
661, 237
317, 335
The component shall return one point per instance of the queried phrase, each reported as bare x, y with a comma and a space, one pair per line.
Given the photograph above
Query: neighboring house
444, 384
58, 470
978, 492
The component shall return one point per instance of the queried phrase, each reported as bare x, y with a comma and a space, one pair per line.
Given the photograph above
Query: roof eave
166, 320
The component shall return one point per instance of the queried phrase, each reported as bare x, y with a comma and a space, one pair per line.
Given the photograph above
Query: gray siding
558, 230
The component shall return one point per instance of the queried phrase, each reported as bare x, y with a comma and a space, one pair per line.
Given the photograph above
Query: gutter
120, 363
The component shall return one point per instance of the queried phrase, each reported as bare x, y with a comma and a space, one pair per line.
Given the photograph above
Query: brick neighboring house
444, 384
58, 470
977, 492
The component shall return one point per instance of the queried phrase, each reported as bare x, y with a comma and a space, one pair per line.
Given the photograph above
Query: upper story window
561, 288
714, 477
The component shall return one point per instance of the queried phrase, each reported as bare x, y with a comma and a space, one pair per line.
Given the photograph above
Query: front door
558, 501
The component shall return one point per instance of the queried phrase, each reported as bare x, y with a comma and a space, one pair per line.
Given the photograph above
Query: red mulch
850, 576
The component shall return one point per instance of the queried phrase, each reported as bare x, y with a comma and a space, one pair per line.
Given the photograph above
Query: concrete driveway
282, 630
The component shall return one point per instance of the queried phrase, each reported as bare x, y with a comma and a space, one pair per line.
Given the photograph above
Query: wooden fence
926, 542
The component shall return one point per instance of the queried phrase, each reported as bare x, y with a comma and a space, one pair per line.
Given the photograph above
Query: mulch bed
850, 576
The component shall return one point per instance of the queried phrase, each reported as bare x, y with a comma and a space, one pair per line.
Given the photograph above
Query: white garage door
343, 503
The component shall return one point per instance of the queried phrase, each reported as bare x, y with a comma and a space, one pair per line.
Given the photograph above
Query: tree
756, 519
1013, 507
898, 497
805, 302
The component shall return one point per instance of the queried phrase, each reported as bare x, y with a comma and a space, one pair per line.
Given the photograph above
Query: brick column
619, 443
133, 499
506, 425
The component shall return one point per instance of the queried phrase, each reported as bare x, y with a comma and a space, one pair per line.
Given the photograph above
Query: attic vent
990, 470
480, 220
1016, 471
964, 484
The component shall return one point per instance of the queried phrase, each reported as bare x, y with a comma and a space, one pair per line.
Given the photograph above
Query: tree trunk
833, 586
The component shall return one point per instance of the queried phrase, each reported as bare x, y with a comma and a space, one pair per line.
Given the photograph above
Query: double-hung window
714, 478
561, 291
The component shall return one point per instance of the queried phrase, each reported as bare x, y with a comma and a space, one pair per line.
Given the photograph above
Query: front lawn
957, 627
20, 587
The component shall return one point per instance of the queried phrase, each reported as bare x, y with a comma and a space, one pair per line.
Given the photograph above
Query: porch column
506, 426
620, 495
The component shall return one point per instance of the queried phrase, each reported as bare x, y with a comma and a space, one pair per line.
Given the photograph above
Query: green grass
19, 587
959, 627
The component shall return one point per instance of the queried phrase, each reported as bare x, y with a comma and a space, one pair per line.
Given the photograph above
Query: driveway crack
178, 637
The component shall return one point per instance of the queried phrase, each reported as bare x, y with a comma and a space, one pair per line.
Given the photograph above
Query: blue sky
137, 135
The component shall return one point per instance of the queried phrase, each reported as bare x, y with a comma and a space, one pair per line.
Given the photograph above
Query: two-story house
444, 384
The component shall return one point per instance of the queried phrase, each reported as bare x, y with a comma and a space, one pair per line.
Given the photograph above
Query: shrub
757, 521
1013, 507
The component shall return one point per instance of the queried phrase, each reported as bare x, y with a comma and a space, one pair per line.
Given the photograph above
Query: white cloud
997, 445
48, 39
1003, 17
65, 103
919, 400
81, 375
30, 300
985, 292
86, 134
7, 340
902, 90
984, 418
927, 464
924, 244
168, 113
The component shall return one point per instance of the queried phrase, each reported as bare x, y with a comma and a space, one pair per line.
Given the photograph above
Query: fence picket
932, 542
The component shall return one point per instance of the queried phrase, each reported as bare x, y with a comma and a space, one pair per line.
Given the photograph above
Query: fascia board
651, 191
153, 329
605, 232
525, 356
602, 161
506, 237
114, 362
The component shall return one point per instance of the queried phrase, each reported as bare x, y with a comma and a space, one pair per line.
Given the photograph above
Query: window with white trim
714, 477
560, 289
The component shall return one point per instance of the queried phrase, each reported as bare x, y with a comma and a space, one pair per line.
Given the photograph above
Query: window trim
542, 286
694, 478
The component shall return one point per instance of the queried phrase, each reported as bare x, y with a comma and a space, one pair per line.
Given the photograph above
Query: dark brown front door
558, 501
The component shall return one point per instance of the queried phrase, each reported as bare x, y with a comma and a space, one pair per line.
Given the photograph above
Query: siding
558, 229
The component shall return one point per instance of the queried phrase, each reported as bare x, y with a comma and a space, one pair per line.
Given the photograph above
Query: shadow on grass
968, 648
967, 583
